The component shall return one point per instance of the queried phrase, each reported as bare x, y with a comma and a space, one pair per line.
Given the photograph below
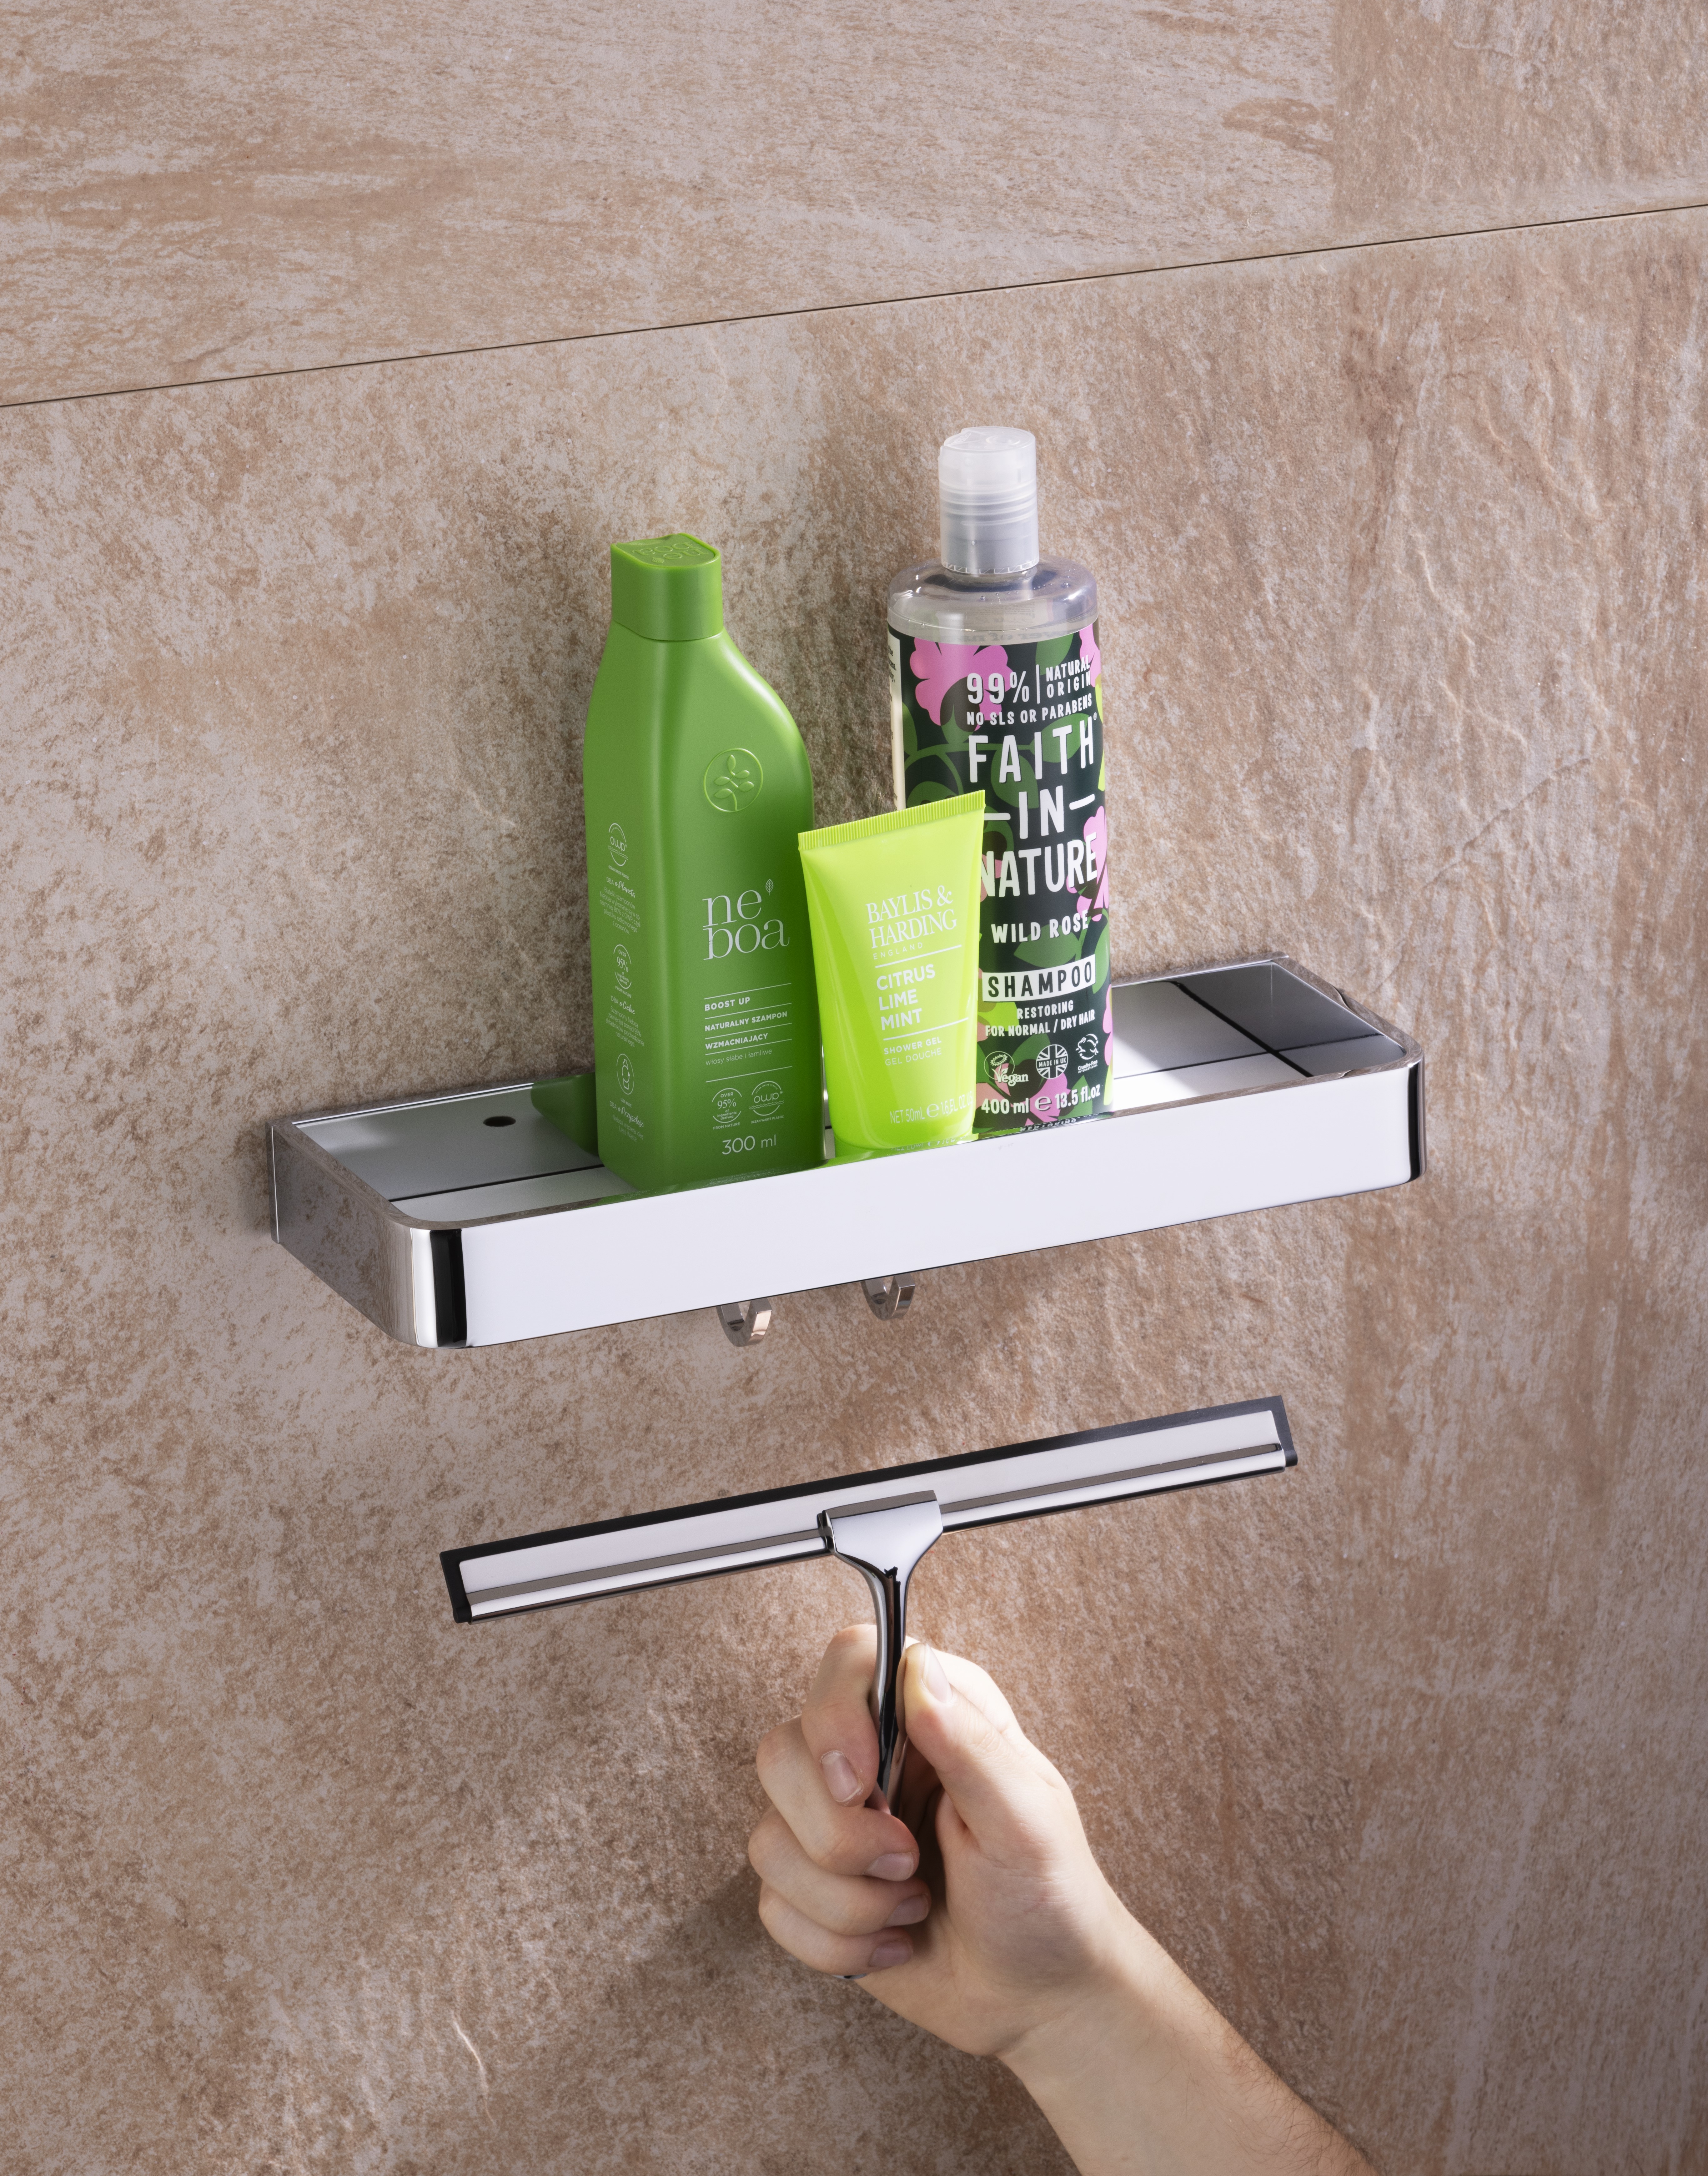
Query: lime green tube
893, 905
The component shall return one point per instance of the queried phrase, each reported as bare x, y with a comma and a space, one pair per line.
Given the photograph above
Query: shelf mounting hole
501, 1120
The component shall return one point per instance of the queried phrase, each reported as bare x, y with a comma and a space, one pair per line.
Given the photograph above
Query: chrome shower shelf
470, 1219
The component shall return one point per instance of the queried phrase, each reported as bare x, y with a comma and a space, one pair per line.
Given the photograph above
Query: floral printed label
1024, 726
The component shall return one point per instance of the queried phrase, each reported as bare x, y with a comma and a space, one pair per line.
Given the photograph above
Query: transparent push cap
988, 493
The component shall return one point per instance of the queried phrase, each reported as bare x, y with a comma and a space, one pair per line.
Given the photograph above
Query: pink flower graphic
1097, 841
939, 665
1109, 1027
1090, 655
1048, 1103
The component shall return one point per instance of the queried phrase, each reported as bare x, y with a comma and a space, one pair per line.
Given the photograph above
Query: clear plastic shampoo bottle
995, 687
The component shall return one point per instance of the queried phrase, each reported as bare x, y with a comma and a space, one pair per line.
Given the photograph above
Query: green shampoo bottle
705, 1016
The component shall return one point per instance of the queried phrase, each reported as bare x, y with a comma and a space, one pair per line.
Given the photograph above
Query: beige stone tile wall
1464, 113
199, 191
1402, 552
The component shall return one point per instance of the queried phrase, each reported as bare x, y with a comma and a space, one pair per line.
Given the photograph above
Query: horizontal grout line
869, 302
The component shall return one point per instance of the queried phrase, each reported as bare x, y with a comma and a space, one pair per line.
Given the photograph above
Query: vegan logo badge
732, 781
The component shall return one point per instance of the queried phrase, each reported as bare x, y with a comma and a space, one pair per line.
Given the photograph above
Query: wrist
1116, 2002
1134, 2068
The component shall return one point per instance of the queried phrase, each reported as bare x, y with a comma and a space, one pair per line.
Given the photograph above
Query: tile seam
1370, 242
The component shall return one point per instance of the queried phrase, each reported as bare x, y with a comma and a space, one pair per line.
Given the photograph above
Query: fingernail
893, 1866
892, 1949
935, 1678
909, 1911
842, 1781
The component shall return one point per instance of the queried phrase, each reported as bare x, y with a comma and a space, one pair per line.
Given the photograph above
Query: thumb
996, 1790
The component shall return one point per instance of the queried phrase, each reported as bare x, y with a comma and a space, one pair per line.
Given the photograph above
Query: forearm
1141, 2076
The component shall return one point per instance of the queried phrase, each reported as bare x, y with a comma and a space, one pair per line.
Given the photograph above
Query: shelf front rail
470, 1220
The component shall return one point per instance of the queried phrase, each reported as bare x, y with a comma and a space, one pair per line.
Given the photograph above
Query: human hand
1006, 1920
1003, 1937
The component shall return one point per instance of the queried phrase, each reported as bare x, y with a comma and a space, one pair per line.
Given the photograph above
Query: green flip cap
669, 589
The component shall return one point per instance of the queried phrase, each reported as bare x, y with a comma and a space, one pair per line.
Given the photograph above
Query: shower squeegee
882, 1523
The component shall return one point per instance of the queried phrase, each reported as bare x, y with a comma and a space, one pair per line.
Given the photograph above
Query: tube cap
987, 495
670, 589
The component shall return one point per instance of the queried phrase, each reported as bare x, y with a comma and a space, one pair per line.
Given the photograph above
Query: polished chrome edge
1420, 1152
403, 1273
1411, 1051
657, 1565
337, 1225
884, 1542
414, 1102
1324, 989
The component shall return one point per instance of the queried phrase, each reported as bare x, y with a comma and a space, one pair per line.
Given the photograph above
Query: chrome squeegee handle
884, 1543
